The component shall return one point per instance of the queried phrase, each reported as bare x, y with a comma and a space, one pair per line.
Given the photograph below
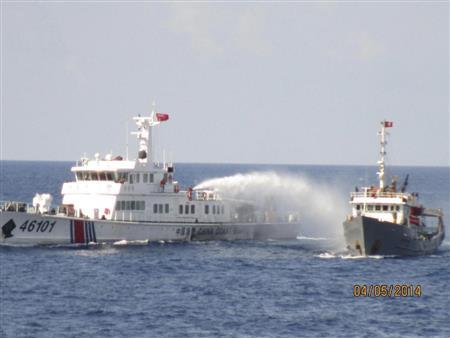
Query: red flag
388, 124
162, 116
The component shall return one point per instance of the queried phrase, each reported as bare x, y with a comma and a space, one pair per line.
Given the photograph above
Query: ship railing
378, 194
432, 212
124, 216
16, 206
205, 195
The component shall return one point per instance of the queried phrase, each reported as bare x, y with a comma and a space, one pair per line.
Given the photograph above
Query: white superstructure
112, 188
385, 202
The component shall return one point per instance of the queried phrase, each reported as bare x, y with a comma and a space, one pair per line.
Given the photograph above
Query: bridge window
385, 207
138, 178
130, 205
145, 178
214, 209
131, 178
222, 209
166, 208
192, 209
180, 209
155, 208
152, 178
206, 209
95, 176
186, 209
358, 207
122, 177
378, 207
370, 207
160, 208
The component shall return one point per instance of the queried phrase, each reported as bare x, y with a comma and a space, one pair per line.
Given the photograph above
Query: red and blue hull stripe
82, 231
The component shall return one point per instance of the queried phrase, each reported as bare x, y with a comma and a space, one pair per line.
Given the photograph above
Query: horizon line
264, 164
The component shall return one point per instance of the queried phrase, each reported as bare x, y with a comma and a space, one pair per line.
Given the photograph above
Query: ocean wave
331, 255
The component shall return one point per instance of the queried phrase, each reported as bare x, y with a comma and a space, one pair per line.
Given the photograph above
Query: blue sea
302, 287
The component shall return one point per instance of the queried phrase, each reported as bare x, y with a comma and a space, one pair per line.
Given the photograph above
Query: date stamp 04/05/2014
387, 290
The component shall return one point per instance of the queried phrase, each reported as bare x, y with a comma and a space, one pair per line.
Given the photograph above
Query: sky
243, 82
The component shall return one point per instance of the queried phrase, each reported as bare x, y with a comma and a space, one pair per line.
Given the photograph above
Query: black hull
369, 236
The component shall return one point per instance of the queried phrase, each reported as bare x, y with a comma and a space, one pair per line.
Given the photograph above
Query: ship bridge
100, 182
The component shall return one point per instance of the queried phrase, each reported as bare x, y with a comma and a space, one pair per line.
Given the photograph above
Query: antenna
383, 141
405, 183
126, 140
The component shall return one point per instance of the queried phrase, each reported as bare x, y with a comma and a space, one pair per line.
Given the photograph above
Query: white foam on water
18, 245
330, 255
321, 207
136, 242
312, 238
361, 257
105, 251
122, 242
325, 255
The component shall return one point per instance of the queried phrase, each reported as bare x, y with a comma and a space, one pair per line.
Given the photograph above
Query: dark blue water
297, 288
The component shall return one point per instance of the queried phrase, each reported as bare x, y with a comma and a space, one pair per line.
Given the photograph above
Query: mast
126, 140
383, 141
144, 134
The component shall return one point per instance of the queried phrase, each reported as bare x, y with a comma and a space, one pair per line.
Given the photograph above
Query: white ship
112, 199
385, 221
